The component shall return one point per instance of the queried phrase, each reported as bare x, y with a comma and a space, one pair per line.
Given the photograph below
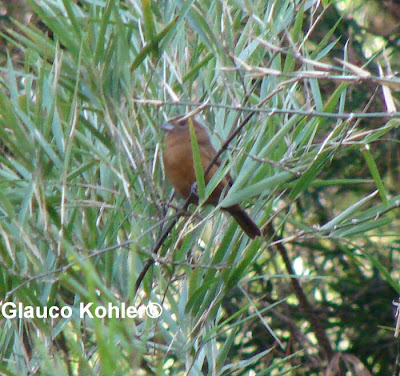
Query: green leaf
197, 161
347, 214
149, 27
236, 196
375, 173
149, 47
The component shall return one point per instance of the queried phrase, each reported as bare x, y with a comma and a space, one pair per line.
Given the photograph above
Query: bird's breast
178, 164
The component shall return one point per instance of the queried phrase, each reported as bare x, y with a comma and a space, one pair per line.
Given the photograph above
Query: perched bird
179, 168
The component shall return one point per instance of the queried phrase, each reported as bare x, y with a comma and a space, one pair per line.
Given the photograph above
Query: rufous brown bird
179, 168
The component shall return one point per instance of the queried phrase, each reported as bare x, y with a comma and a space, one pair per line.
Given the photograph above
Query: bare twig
304, 303
273, 110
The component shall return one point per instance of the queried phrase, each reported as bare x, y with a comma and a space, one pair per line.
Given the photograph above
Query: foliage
84, 202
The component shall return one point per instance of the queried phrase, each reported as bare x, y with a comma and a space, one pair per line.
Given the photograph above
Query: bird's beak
167, 126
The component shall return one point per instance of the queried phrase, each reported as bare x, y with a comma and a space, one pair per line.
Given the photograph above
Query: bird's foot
193, 190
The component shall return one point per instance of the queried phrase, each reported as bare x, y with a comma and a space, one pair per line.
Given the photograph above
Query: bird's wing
207, 153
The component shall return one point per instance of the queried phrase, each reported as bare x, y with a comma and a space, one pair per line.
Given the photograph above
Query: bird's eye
182, 123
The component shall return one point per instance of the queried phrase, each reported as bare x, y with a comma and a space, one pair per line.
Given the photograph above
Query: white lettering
131, 312
41, 313
27, 312
112, 308
66, 312
54, 312
8, 314
142, 311
100, 312
84, 310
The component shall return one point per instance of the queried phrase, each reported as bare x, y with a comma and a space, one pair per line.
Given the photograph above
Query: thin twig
304, 303
273, 110
160, 242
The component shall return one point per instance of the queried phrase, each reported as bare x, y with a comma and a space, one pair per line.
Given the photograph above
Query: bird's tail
244, 221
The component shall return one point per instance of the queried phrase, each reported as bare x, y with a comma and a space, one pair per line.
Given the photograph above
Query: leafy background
84, 204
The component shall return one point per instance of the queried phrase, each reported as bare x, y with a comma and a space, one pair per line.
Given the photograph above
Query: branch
304, 303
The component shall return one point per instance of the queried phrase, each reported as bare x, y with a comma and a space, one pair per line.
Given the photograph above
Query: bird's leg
193, 189
194, 194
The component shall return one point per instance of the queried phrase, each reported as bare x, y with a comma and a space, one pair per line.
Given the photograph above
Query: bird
179, 168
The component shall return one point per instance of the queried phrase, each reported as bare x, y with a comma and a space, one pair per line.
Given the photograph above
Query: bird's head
179, 127
177, 124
